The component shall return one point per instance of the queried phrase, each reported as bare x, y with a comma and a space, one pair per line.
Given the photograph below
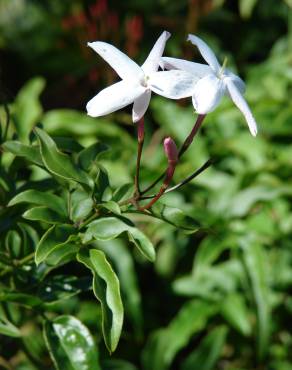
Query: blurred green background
216, 299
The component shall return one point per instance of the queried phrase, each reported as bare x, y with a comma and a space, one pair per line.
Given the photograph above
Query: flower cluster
176, 79
205, 83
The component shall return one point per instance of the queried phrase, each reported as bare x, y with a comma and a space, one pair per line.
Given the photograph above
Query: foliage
201, 282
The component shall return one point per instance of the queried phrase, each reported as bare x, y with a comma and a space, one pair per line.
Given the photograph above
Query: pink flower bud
170, 150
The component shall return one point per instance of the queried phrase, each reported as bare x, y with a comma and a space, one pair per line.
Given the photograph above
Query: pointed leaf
106, 288
54, 239
59, 163
30, 153
44, 214
108, 228
70, 344
42, 199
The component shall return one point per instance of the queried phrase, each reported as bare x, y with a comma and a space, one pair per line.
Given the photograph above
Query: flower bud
170, 150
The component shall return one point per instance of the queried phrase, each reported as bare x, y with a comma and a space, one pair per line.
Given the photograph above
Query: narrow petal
242, 105
236, 80
114, 97
140, 105
151, 64
207, 94
206, 52
125, 67
197, 69
174, 84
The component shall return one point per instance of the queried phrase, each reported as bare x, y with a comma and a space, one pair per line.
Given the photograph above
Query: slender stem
140, 134
183, 148
192, 134
186, 180
164, 186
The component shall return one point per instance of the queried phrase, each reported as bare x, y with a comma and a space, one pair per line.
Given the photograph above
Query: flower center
144, 81
222, 69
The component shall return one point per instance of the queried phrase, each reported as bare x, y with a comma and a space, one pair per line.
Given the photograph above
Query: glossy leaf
44, 214
108, 228
30, 153
57, 162
106, 288
81, 205
54, 239
42, 199
124, 264
175, 217
70, 344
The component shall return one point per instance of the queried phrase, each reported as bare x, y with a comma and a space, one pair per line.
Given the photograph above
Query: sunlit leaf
106, 288
108, 228
70, 344
59, 163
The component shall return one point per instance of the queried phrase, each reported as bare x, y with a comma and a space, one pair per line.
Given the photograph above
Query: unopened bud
170, 150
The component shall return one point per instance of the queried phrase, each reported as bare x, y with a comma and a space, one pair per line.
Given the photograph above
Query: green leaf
208, 351
124, 265
59, 163
54, 239
89, 155
70, 344
60, 287
30, 153
108, 228
42, 199
234, 310
255, 263
165, 343
81, 205
23, 299
106, 288
111, 206
175, 217
27, 107
246, 7
6, 328
44, 214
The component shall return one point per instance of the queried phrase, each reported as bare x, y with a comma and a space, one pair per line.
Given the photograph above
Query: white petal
207, 94
206, 52
140, 105
151, 64
174, 84
125, 67
114, 97
242, 105
238, 82
197, 69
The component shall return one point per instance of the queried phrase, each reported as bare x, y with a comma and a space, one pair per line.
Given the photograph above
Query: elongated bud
141, 130
170, 150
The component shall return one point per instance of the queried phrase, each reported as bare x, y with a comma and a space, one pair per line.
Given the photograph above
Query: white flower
213, 81
137, 82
